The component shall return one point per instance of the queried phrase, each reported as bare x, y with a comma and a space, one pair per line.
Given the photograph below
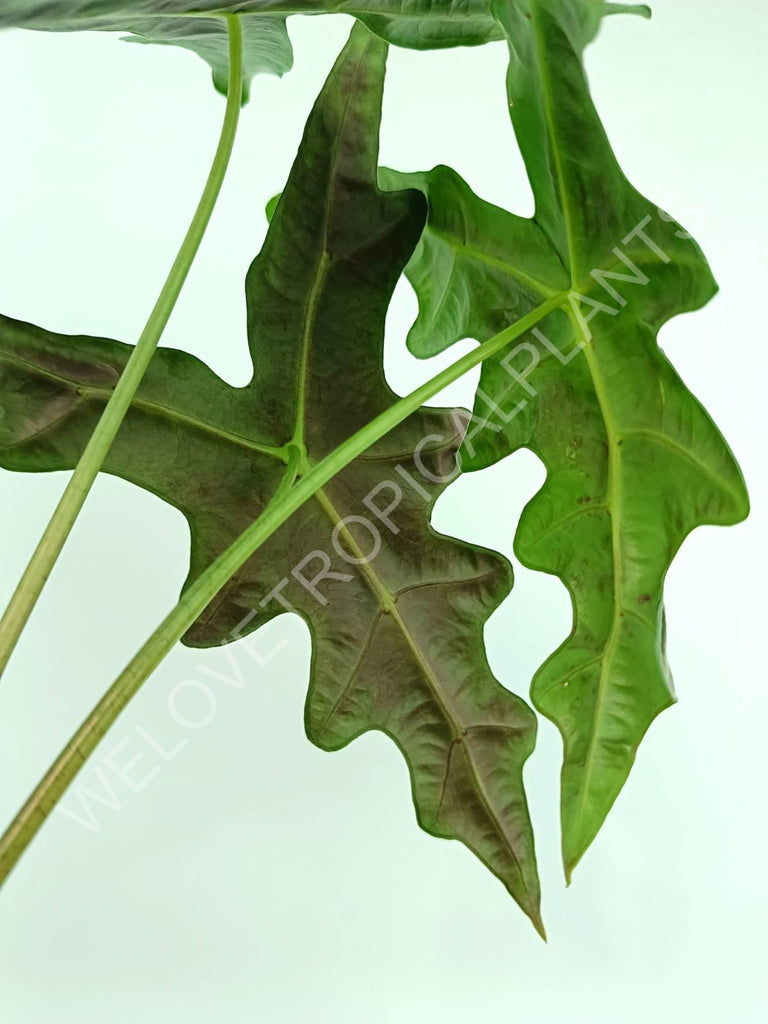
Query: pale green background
256, 878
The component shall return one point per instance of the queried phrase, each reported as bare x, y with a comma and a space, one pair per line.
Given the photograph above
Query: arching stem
60, 526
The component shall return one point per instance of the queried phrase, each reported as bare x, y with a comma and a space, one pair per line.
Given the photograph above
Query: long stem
195, 600
58, 529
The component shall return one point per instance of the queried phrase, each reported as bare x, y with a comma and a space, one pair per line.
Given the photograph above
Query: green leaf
425, 24
266, 46
271, 206
198, 25
634, 463
396, 611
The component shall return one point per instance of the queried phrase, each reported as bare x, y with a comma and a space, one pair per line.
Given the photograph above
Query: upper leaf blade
198, 25
634, 462
191, 24
396, 611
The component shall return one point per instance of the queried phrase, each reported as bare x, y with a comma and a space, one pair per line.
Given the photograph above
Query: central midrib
385, 597
388, 602
614, 495
321, 271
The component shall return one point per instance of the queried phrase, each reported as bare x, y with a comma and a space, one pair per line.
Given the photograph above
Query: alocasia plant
312, 488
398, 637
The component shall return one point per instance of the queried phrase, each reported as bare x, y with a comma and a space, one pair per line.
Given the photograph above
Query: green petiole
58, 529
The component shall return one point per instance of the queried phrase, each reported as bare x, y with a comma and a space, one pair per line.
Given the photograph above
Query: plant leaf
634, 462
198, 25
397, 638
266, 46
426, 24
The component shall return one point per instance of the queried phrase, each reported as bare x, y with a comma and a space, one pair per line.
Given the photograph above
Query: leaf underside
198, 25
633, 461
398, 639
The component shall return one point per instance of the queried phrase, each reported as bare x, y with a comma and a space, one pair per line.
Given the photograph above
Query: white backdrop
257, 878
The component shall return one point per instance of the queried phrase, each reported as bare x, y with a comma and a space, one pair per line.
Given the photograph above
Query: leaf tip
641, 10
571, 860
538, 924
271, 206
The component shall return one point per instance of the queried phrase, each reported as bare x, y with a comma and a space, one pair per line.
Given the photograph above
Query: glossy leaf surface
634, 462
396, 611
